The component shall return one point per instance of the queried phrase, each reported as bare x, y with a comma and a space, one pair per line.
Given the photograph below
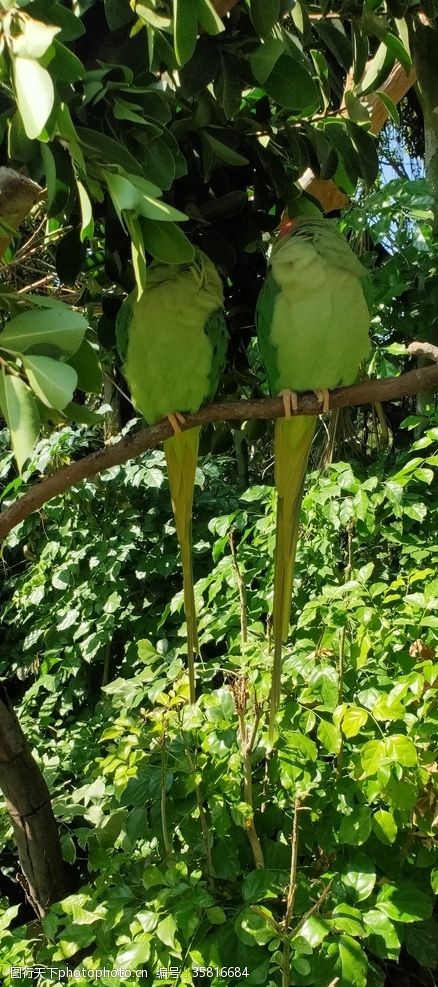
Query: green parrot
172, 343
312, 326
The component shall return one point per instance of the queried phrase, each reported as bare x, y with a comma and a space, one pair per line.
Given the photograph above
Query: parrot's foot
323, 396
175, 420
290, 402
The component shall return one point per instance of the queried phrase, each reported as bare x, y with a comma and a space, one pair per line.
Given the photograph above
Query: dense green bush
152, 794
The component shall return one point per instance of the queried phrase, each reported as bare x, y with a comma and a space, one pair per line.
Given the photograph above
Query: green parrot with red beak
172, 342
312, 326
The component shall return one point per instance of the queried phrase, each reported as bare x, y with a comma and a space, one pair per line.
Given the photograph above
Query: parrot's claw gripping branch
323, 396
176, 419
290, 402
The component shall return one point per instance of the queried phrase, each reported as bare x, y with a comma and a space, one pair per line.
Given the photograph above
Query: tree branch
69, 476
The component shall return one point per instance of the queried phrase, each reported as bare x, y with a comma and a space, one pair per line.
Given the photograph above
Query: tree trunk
28, 802
425, 42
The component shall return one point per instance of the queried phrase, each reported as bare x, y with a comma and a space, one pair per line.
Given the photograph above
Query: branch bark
238, 411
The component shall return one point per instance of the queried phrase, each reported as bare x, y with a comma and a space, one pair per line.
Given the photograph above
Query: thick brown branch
424, 349
69, 476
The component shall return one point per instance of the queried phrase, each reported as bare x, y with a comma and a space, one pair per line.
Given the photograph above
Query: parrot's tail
293, 439
181, 453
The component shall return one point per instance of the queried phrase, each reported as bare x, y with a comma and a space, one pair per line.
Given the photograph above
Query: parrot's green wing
172, 342
264, 316
216, 332
312, 326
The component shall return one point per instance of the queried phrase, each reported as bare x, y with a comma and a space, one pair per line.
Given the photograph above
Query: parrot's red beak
286, 226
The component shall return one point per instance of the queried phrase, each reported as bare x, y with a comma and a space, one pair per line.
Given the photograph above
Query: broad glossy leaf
86, 363
291, 85
209, 18
166, 242
384, 826
131, 956
53, 382
359, 875
404, 902
353, 720
20, 412
400, 749
58, 326
264, 14
383, 939
35, 38
354, 963
356, 828
185, 26
35, 95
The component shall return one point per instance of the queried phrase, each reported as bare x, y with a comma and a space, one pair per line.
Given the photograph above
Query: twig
247, 741
313, 910
130, 447
203, 823
242, 590
291, 892
341, 666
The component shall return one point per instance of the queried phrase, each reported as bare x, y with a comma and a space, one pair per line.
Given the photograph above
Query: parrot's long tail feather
181, 453
293, 439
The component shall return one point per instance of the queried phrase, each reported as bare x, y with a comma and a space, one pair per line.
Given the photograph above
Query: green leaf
264, 59
117, 13
314, 931
127, 198
354, 962
371, 756
87, 227
356, 828
384, 826
390, 106
291, 85
398, 748
383, 940
185, 29
359, 875
64, 65
166, 932
345, 918
59, 327
35, 95
330, 736
133, 955
166, 242
208, 17
434, 880
20, 412
259, 885
264, 14
86, 364
353, 720
404, 902
35, 38
159, 163
223, 152
216, 915
68, 848
53, 382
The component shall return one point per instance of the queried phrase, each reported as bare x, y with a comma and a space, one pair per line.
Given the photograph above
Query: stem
242, 590
106, 664
291, 892
341, 664
315, 908
206, 835
166, 841
247, 742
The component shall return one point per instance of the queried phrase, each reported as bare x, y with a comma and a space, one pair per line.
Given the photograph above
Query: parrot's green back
312, 325
172, 342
